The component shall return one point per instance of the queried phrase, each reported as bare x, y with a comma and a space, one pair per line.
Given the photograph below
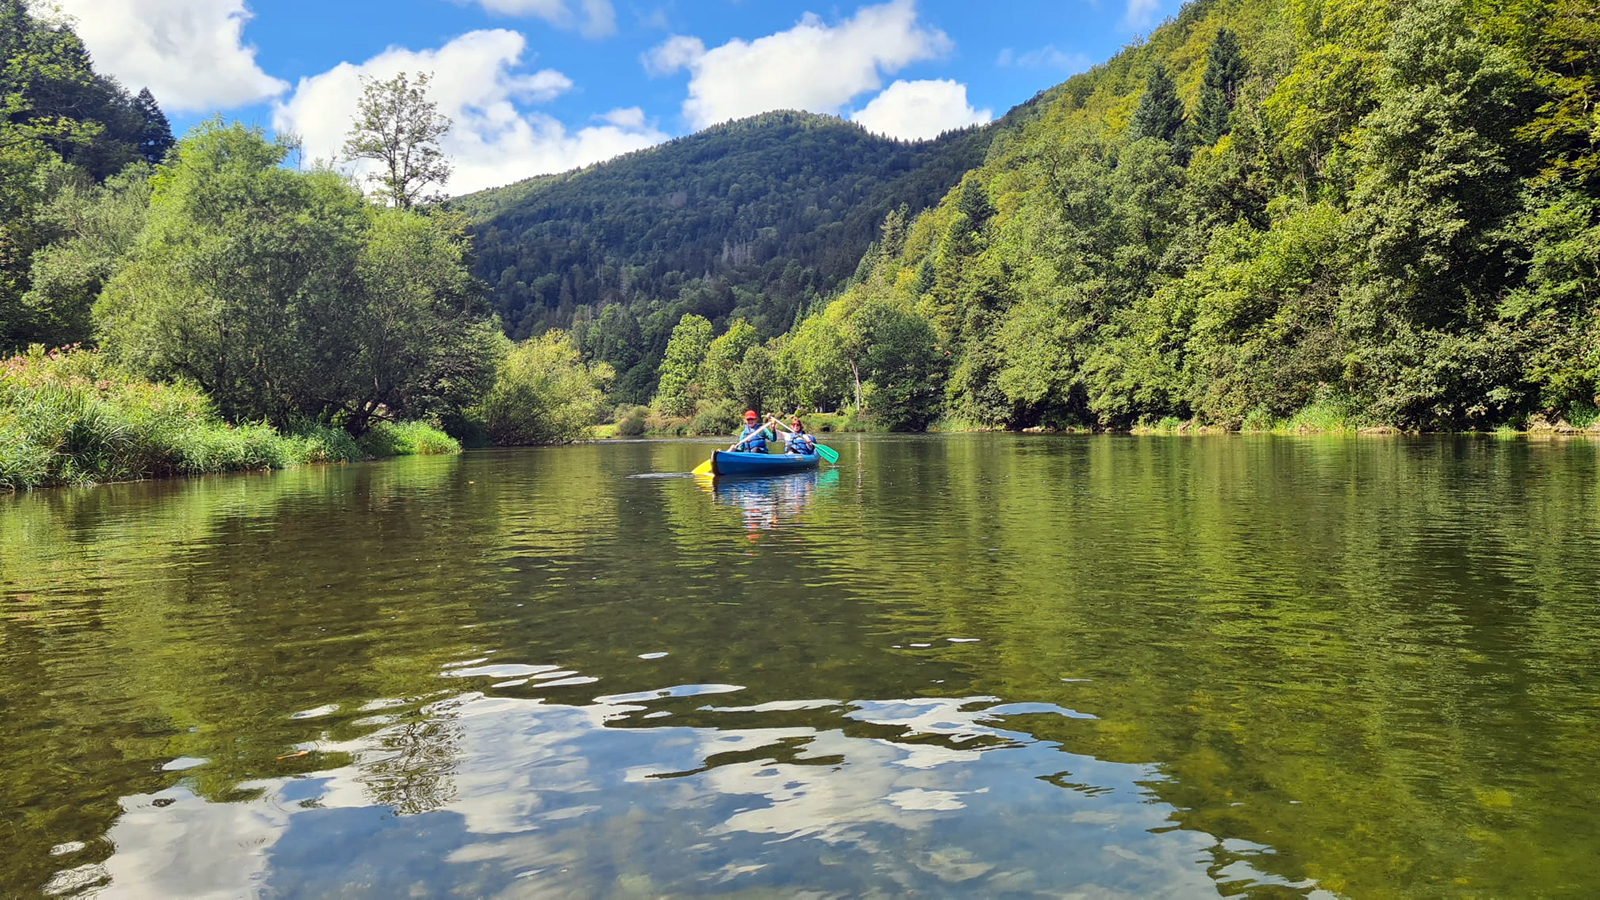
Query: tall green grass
66, 417
69, 417
407, 439
1583, 415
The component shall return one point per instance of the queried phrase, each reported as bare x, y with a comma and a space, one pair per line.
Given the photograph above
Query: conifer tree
1160, 112
155, 138
974, 203
1219, 87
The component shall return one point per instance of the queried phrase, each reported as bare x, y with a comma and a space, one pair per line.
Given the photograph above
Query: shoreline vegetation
69, 418
1313, 421
216, 309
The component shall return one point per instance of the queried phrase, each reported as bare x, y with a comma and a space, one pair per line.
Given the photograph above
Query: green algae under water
969, 665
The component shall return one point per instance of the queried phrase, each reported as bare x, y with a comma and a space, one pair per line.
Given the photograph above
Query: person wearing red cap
754, 437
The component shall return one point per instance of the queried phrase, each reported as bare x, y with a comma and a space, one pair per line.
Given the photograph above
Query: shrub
634, 423
1583, 415
203, 450
543, 393
1329, 412
318, 443
69, 417
1259, 418
406, 439
719, 417
848, 420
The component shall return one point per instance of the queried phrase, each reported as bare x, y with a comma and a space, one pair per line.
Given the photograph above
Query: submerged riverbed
974, 664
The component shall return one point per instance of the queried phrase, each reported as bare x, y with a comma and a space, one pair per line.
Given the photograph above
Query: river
987, 665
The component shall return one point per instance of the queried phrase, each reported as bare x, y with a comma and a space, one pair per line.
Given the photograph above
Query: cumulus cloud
672, 54
1046, 57
631, 118
592, 18
1140, 13
479, 83
813, 66
918, 110
190, 53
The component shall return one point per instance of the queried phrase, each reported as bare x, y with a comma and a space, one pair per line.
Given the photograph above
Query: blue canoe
728, 462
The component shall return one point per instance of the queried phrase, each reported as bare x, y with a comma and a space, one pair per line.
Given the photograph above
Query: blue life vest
753, 440
802, 443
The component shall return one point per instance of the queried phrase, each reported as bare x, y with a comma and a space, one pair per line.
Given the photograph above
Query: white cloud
1140, 13
674, 53
599, 18
1046, 57
189, 53
811, 66
479, 83
918, 110
631, 117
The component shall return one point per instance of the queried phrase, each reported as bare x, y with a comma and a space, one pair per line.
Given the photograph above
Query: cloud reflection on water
504, 796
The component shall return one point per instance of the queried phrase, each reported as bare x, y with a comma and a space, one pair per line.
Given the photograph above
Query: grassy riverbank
1330, 418
71, 418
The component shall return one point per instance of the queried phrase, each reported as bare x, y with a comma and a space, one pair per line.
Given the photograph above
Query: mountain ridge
758, 218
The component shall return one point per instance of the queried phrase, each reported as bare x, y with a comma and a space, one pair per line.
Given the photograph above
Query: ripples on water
973, 665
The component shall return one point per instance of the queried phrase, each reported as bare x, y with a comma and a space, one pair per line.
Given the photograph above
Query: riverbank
70, 418
1305, 423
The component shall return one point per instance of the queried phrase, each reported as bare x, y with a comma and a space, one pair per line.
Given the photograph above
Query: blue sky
535, 86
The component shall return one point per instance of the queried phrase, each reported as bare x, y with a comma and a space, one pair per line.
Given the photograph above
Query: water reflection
770, 503
679, 790
1234, 665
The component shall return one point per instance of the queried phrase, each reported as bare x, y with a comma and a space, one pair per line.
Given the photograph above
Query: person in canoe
798, 439
754, 437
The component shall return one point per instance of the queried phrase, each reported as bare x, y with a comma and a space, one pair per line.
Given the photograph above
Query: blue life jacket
802, 443
753, 440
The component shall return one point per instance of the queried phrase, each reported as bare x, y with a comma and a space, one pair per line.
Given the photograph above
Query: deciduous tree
399, 128
686, 350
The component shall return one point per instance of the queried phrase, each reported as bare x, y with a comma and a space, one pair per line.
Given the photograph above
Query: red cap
751, 414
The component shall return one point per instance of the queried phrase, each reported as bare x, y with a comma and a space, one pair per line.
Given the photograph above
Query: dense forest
757, 219
1350, 213
64, 130
1313, 214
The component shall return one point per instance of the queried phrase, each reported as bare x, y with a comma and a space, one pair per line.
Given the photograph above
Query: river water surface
968, 665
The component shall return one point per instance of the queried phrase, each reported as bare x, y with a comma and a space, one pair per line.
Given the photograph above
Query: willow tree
285, 295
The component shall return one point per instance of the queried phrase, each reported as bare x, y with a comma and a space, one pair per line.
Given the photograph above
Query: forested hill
748, 219
1271, 213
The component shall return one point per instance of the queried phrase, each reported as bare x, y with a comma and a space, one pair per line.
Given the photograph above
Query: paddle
705, 467
827, 453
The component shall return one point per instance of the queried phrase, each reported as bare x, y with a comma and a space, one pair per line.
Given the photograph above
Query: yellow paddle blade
703, 469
